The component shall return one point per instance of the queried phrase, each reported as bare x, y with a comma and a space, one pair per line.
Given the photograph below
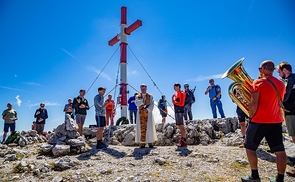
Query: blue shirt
213, 92
100, 109
131, 105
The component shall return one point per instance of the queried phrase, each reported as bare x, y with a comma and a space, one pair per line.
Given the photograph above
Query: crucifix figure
122, 36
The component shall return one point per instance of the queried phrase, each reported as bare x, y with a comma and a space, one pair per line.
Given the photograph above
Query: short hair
283, 65
82, 90
163, 96
268, 64
177, 84
101, 88
9, 104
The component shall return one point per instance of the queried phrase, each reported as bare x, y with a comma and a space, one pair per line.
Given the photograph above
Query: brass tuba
240, 90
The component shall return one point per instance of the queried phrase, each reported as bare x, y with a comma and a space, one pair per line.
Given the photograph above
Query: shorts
272, 133
163, 114
80, 119
241, 115
9, 125
290, 123
179, 118
100, 121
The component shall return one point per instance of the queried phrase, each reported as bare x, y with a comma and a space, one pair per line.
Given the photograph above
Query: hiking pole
165, 112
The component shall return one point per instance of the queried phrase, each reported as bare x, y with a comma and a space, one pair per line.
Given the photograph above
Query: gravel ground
167, 163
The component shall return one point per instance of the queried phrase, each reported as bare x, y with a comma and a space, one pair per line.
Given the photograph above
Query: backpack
161, 104
217, 90
12, 137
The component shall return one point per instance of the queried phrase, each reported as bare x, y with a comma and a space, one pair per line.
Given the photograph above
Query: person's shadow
183, 151
138, 153
113, 152
263, 155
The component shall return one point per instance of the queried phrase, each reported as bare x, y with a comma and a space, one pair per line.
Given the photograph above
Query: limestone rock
46, 148
129, 140
71, 124
60, 150
76, 143
32, 133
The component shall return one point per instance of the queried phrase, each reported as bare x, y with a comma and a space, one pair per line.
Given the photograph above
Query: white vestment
151, 135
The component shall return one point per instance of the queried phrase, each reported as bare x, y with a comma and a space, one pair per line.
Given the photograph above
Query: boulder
70, 123
129, 140
76, 143
60, 150
46, 148
32, 133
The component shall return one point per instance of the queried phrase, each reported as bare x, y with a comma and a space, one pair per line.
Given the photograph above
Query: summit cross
122, 36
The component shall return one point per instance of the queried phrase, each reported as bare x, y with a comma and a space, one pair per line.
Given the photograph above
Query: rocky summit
213, 154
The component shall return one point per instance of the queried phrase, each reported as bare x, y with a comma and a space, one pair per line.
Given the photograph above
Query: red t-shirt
268, 110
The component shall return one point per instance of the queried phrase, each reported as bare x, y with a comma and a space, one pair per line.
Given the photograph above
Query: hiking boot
291, 173
142, 145
182, 143
249, 179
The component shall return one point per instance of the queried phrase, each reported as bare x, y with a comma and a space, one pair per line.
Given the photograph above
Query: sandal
291, 173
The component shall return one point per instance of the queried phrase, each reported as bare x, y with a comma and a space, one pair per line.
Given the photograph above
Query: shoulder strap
279, 98
277, 92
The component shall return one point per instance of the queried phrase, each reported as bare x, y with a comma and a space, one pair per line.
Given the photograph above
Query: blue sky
49, 50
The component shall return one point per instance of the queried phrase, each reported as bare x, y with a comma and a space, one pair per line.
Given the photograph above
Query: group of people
272, 103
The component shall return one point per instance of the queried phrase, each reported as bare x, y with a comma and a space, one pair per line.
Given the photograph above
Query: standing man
145, 125
266, 121
162, 106
100, 113
68, 109
81, 106
110, 110
9, 116
132, 108
189, 100
215, 95
178, 101
285, 71
242, 117
41, 115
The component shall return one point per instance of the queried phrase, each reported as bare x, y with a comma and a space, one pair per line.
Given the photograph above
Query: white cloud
32, 83
202, 78
46, 104
18, 101
99, 72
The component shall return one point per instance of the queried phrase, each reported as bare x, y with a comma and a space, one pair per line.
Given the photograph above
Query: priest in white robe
145, 125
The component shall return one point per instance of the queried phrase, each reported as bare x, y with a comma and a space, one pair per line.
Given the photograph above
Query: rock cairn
65, 139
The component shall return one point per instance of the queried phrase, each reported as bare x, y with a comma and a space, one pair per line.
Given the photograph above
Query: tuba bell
240, 90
